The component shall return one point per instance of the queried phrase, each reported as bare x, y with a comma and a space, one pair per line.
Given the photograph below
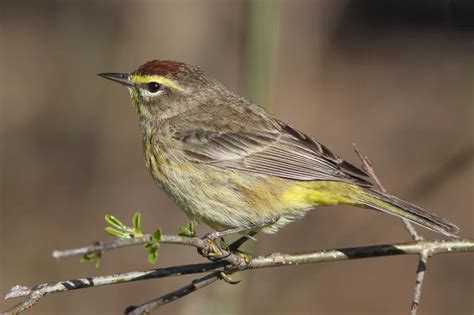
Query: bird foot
212, 249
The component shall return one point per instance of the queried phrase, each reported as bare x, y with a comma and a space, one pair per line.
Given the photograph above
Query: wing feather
279, 150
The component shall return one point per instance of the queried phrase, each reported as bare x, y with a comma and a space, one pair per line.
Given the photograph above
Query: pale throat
138, 103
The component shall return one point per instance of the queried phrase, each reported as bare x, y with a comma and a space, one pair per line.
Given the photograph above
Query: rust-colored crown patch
160, 67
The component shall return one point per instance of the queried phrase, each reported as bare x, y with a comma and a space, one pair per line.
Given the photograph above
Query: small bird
232, 165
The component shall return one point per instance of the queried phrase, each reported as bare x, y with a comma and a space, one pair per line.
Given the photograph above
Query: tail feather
392, 205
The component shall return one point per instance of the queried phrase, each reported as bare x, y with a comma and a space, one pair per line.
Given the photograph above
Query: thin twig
202, 244
34, 294
367, 166
195, 285
424, 256
420, 276
99, 247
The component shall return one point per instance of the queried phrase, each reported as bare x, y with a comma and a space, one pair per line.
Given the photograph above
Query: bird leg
250, 232
234, 246
217, 234
248, 229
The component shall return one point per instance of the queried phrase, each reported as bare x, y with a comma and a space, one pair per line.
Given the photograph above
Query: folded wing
277, 149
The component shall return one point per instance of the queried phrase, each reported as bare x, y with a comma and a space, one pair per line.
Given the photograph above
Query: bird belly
225, 198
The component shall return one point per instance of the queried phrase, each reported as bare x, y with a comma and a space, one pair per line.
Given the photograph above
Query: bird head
162, 88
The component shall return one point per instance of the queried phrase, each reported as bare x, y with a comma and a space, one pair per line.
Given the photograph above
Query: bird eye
153, 87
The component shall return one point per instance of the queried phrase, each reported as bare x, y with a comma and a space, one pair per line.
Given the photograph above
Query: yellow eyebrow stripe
156, 78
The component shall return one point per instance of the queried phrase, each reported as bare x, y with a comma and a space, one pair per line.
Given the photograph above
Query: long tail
392, 205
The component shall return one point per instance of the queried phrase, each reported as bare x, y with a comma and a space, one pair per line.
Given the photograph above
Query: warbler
232, 165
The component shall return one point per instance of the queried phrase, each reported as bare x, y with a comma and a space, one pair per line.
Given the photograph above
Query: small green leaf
137, 221
117, 233
152, 256
157, 235
85, 258
187, 230
91, 256
110, 219
191, 227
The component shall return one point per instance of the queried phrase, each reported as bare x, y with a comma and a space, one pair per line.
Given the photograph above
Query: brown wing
277, 149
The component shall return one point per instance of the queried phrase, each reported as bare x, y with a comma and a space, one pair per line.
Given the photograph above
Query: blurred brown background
394, 76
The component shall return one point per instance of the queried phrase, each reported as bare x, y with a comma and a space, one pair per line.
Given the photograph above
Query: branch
100, 247
34, 294
207, 247
195, 285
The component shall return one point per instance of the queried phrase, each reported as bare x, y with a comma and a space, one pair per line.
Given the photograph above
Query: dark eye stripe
153, 87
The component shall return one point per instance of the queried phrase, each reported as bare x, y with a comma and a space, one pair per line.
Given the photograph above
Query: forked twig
367, 166
424, 255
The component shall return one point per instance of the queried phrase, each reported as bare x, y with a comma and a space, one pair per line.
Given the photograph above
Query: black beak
122, 78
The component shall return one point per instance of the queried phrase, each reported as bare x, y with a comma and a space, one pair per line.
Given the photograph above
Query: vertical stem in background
261, 30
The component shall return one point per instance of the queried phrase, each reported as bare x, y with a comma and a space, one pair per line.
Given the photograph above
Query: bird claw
212, 250
228, 278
